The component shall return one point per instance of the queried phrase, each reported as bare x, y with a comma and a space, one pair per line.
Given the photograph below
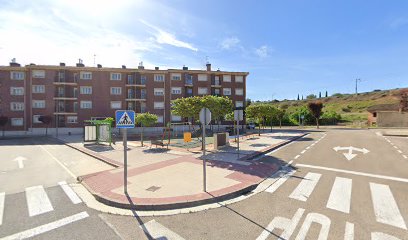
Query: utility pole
357, 81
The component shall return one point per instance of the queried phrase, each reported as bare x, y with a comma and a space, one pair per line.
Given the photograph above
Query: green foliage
146, 119
311, 96
316, 110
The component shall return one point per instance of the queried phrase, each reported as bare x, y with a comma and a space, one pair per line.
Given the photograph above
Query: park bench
158, 142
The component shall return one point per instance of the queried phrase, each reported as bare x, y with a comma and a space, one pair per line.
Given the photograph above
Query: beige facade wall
392, 119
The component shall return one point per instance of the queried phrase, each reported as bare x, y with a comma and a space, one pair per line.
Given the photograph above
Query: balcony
136, 97
216, 83
62, 79
65, 109
65, 96
188, 80
136, 83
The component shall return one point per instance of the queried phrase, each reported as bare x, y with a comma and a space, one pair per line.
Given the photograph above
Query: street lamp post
357, 81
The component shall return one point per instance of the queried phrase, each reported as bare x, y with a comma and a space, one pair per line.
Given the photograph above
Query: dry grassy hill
351, 107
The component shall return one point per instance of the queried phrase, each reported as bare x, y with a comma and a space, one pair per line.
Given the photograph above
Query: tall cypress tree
298, 98
320, 94
326, 94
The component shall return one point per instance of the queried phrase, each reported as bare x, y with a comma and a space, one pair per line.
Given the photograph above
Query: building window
239, 91
374, 114
85, 75
158, 91
130, 79
175, 118
17, 75
116, 76
16, 91
38, 89
85, 90
217, 91
38, 103
239, 79
86, 104
116, 104
176, 76
202, 77
36, 119
17, 106
239, 104
176, 90
226, 78
116, 90
38, 74
143, 79
17, 122
72, 119
158, 105
202, 90
226, 91
160, 119
158, 77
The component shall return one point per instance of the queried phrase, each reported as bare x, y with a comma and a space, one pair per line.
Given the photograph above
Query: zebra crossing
384, 205
37, 200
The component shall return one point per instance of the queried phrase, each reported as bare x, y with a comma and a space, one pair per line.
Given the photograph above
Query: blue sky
289, 47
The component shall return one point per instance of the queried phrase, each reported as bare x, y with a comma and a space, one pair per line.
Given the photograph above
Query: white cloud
164, 37
230, 43
262, 51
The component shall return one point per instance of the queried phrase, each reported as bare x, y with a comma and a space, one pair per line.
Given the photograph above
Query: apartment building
72, 94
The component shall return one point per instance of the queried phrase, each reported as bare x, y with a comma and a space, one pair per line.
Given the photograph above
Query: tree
270, 112
311, 96
219, 106
145, 120
3, 123
248, 102
298, 98
315, 109
320, 94
46, 120
280, 113
302, 97
327, 94
258, 112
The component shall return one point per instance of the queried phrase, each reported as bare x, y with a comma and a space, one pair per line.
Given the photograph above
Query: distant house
389, 115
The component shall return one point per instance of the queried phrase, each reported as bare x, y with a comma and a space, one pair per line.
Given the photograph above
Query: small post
125, 159
204, 161
238, 133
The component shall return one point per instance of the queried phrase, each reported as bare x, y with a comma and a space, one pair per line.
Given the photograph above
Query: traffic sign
125, 119
238, 115
205, 116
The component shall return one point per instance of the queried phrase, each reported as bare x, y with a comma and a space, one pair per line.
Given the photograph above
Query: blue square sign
125, 119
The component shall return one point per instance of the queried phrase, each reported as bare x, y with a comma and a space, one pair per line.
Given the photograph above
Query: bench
158, 142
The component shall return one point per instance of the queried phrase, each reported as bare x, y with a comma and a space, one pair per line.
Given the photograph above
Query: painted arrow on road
20, 161
350, 155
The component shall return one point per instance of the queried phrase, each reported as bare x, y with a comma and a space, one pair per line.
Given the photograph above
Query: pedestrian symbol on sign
125, 119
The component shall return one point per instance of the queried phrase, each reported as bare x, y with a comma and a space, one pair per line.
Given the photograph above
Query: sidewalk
159, 179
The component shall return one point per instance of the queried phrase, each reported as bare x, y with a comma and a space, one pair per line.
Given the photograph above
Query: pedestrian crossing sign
125, 119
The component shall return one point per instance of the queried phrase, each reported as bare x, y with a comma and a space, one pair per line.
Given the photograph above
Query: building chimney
140, 67
62, 64
123, 66
32, 64
13, 63
80, 63
185, 68
208, 67
156, 68
99, 66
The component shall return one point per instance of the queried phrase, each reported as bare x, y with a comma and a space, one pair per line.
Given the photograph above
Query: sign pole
204, 161
238, 134
125, 159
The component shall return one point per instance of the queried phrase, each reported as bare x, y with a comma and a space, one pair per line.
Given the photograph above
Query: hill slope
351, 107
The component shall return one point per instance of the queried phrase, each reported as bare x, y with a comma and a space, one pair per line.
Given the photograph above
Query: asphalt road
340, 184
36, 200
323, 195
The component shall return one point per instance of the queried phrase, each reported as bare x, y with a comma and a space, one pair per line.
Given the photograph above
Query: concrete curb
94, 155
172, 206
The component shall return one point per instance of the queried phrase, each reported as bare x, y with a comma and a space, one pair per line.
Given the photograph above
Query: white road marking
349, 232
392, 143
37, 201
2, 196
70, 193
158, 231
303, 151
305, 187
315, 218
382, 236
395, 147
280, 181
385, 208
20, 162
297, 156
269, 153
354, 172
308, 148
287, 225
47, 227
405, 156
289, 163
58, 161
399, 151
340, 195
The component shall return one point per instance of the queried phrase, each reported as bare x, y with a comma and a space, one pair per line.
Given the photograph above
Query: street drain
153, 188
